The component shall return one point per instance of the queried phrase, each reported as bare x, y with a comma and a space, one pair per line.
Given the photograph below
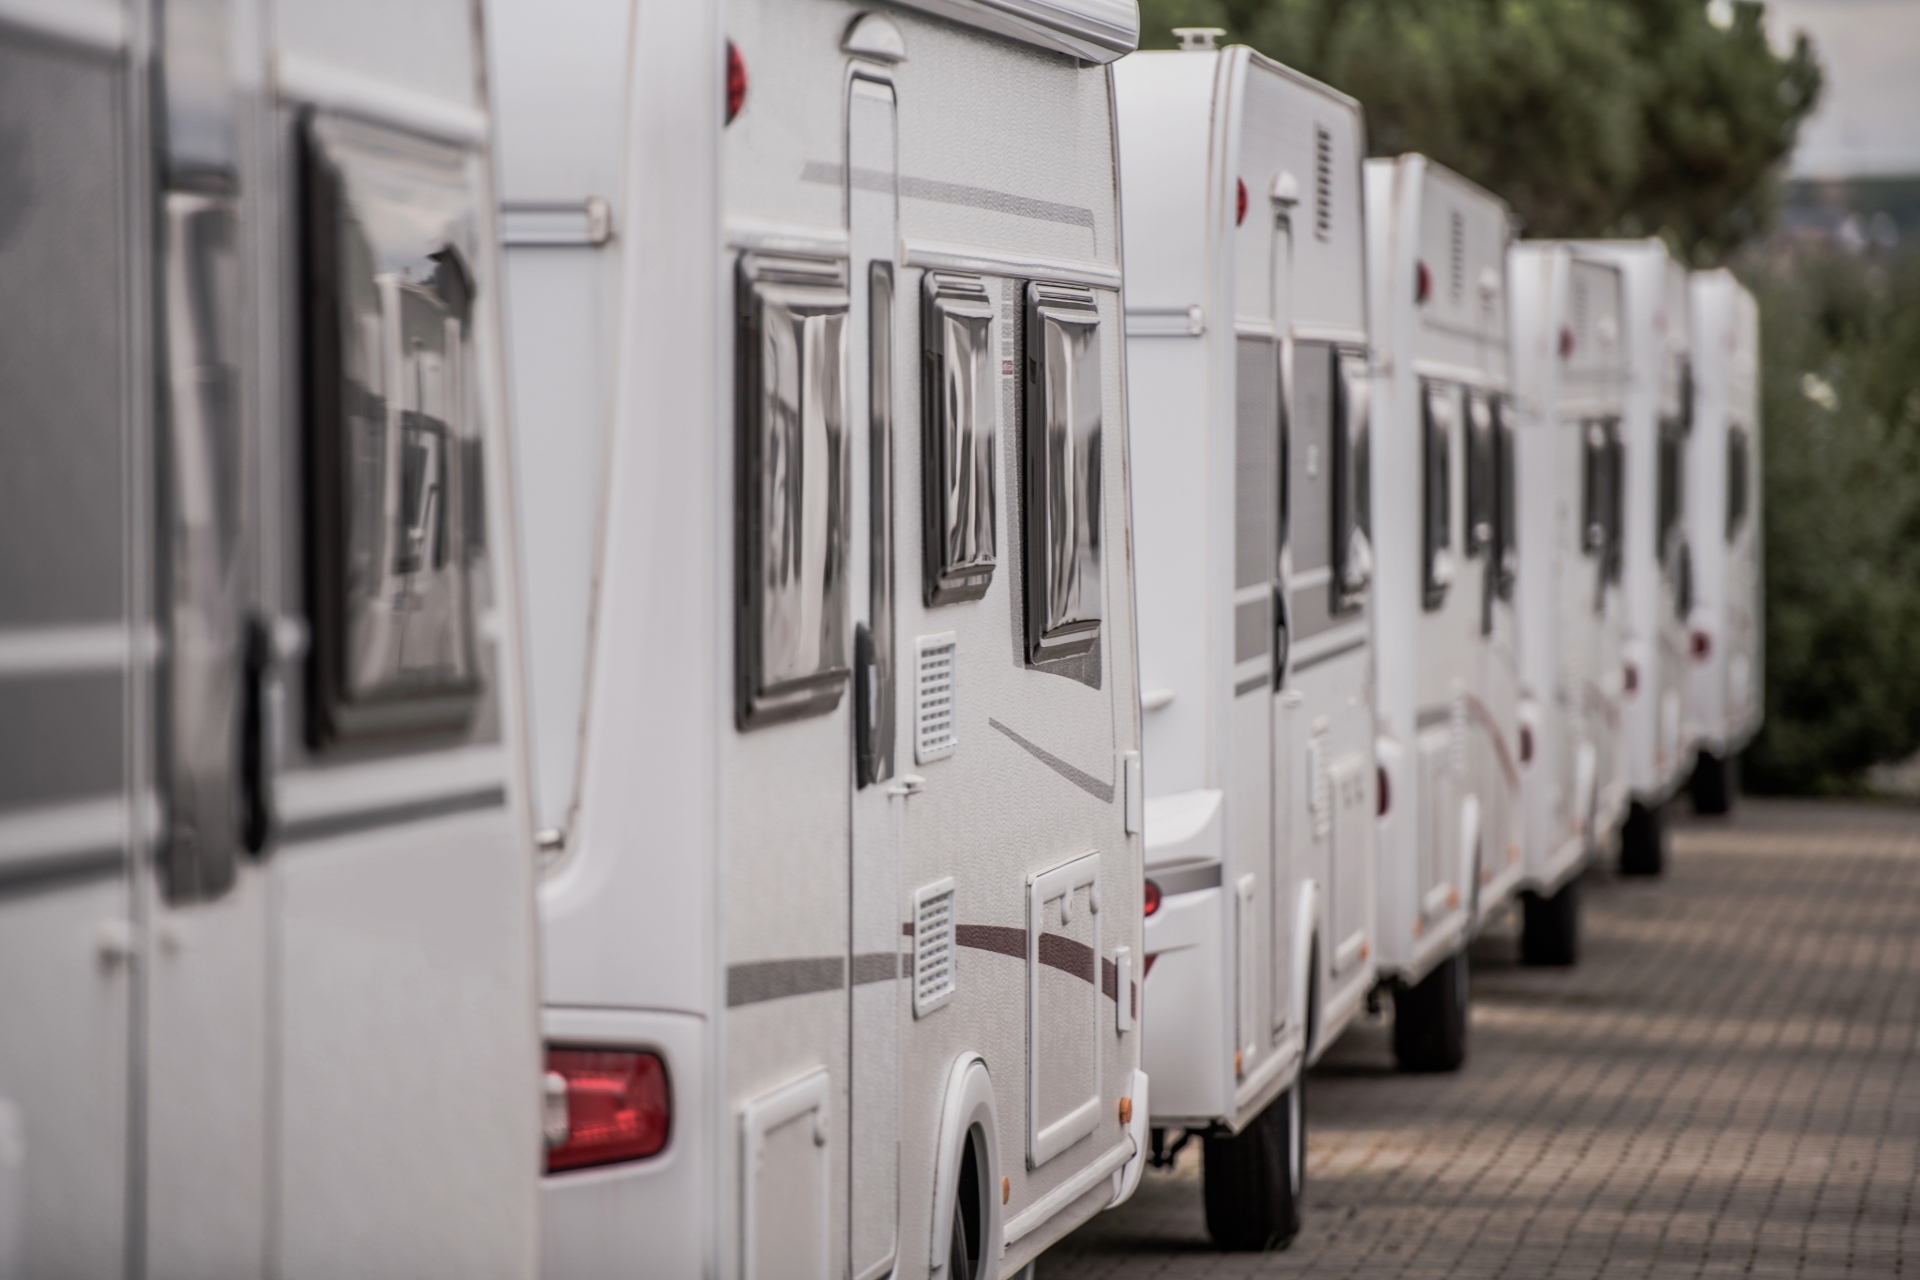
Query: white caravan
1445, 564
1655, 577
1725, 641
1247, 361
267, 949
814, 316
1569, 377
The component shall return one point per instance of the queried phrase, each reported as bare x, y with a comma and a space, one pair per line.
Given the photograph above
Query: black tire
1430, 1018
1550, 927
959, 1264
1643, 842
1715, 782
1255, 1182
963, 1245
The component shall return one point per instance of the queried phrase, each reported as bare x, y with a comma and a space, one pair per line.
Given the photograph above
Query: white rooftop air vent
934, 976
1322, 182
935, 733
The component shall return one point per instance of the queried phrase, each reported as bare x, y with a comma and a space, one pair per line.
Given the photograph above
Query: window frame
959, 466
1062, 525
1351, 508
809, 291
1436, 464
354, 693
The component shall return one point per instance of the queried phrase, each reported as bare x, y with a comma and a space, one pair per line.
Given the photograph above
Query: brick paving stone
1727, 1085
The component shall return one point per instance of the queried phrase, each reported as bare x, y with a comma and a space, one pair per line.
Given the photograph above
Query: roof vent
934, 978
1198, 39
1322, 182
934, 731
1457, 251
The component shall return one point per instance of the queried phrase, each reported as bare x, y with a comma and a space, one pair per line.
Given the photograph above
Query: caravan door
1287, 871
873, 987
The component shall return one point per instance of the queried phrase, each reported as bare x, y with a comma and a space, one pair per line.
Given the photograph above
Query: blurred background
1780, 140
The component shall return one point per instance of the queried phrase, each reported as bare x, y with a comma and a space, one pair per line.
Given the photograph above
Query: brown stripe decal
998, 938
759, 980
1101, 791
1057, 951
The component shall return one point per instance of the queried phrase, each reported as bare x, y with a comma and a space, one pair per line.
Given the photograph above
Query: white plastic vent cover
933, 970
934, 729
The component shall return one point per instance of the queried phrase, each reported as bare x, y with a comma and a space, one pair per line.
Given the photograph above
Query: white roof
1094, 30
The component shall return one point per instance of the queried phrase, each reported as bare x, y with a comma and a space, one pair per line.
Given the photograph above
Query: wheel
1550, 928
963, 1244
1715, 781
1643, 842
1430, 1018
1256, 1180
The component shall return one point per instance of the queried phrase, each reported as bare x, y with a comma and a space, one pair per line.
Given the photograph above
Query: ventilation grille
1581, 310
1322, 183
933, 971
1457, 252
933, 692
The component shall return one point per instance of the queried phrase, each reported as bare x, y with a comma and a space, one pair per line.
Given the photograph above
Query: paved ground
1727, 1085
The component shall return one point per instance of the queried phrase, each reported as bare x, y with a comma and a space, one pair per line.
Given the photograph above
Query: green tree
1840, 405
1590, 117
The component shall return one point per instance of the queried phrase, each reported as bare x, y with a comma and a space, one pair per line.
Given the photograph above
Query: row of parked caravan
678, 639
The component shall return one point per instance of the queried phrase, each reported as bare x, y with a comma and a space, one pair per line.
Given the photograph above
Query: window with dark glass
1061, 475
794, 486
1506, 529
1737, 480
959, 411
1481, 482
1616, 501
1352, 533
1438, 410
392, 221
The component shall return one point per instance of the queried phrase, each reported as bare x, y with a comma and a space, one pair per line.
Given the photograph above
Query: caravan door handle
256, 743
1281, 636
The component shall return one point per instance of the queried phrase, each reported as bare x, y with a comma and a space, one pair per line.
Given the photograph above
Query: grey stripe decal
1186, 878
328, 826
875, 966
26, 875
1330, 654
1248, 686
1101, 791
1431, 716
760, 980
952, 193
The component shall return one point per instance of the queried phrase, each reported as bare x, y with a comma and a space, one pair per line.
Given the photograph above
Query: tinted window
794, 489
1438, 409
1062, 472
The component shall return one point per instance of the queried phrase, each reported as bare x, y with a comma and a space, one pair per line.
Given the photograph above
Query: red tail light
1566, 342
736, 81
1151, 898
1240, 202
1422, 283
605, 1106
1702, 646
1630, 678
1383, 799
1526, 744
